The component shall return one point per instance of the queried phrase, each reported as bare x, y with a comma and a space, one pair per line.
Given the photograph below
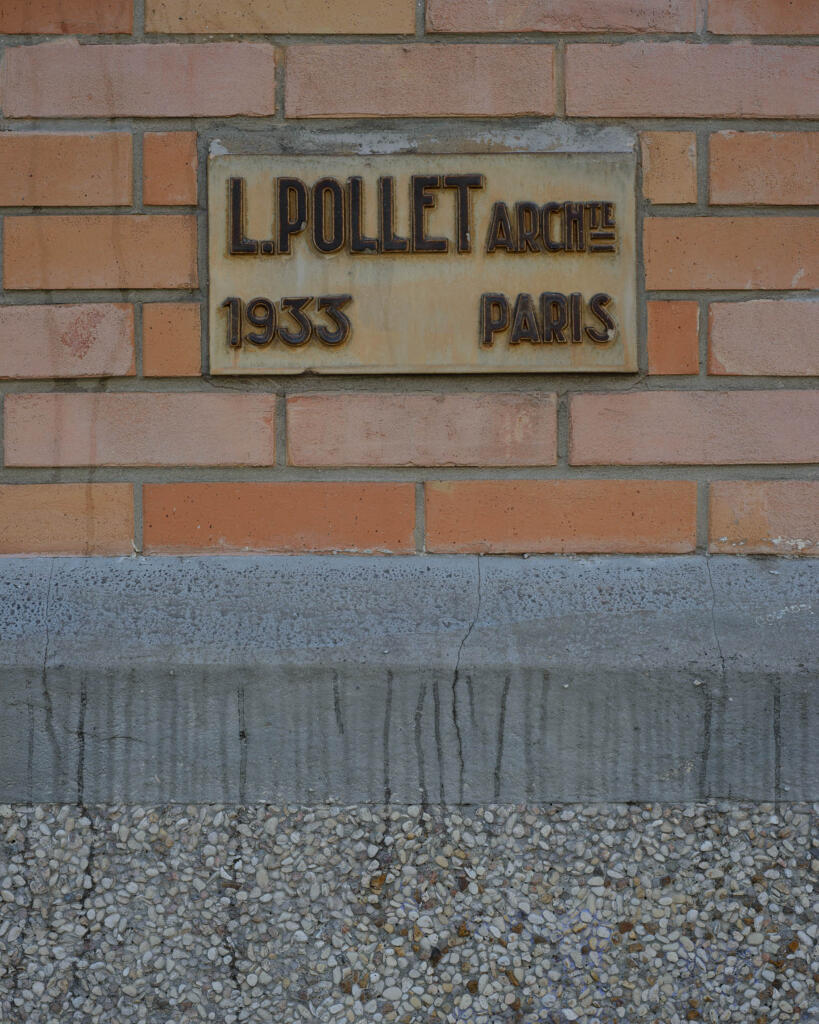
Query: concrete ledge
406, 680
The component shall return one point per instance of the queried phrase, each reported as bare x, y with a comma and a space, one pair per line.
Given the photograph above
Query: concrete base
408, 680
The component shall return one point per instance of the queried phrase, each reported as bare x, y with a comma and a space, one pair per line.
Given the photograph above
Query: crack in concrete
708, 710
49, 707
455, 675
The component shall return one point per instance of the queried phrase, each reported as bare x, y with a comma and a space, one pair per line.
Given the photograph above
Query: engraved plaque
476, 263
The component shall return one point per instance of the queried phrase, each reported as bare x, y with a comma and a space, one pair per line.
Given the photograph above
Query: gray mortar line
419, 533
139, 538
420, 19
703, 515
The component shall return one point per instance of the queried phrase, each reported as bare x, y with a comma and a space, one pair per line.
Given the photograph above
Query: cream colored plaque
422, 264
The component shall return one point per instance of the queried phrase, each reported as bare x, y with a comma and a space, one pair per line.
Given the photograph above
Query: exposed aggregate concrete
538, 915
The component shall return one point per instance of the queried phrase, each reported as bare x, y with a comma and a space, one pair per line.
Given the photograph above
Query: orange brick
669, 167
691, 80
422, 430
94, 340
65, 170
285, 517
66, 519
139, 430
706, 428
561, 16
430, 80
777, 168
317, 17
169, 168
731, 252
673, 337
97, 251
607, 516
171, 339
763, 17
764, 336
771, 517
53, 16
64, 79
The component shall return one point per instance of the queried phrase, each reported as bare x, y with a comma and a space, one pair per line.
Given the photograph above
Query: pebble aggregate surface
328, 915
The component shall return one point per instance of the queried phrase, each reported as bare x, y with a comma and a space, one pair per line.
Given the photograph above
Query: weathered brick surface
420, 80
139, 430
776, 168
731, 252
65, 79
669, 167
282, 517
510, 516
694, 428
169, 168
63, 16
673, 337
691, 80
94, 340
764, 517
171, 339
317, 17
59, 169
763, 17
422, 430
561, 16
764, 336
97, 251
66, 519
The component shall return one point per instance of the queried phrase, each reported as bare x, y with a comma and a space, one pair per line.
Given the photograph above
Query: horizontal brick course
94, 340
764, 336
669, 166
66, 519
317, 17
53, 16
98, 251
64, 79
171, 339
139, 430
422, 430
691, 80
673, 337
281, 517
58, 169
169, 168
419, 80
770, 517
776, 168
763, 17
731, 252
694, 428
561, 16
606, 516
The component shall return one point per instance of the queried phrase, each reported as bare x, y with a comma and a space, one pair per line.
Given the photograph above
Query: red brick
98, 251
23, 17
285, 517
66, 519
764, 336
94, 340
64, 79
691, 80
38, 169
694, 428
169, 168
607, 516
669, 167
139, 430
561, 16
317, 17
771, 517
763, 17
777, 168
731, 252
432, 80
673, 337
171, 339
422, 430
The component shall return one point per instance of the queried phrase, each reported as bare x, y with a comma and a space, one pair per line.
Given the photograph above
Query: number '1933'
288, 320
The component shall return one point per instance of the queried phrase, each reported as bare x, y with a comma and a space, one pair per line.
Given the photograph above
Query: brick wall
114, 437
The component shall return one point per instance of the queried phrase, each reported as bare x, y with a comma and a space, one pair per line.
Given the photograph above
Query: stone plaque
501, 263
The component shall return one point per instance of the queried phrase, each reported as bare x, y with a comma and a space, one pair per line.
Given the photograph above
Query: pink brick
561, 16
771, 517
422, 430
418, 80
94, 340
66, 519
139, 430
777, 168
762, 337
763, 17
691, 80
64, 79
706, 428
